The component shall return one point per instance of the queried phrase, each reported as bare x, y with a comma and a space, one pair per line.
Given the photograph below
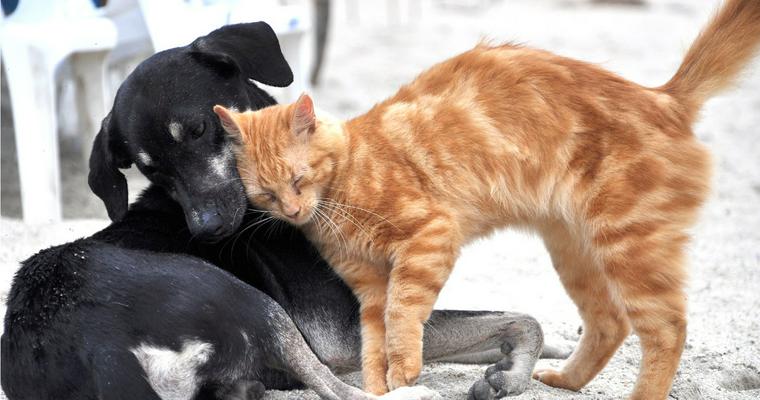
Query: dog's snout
211, 222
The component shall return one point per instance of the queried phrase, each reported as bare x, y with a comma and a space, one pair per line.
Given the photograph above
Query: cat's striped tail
719, 53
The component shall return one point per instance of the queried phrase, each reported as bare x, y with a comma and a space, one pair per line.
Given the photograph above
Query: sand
510, 270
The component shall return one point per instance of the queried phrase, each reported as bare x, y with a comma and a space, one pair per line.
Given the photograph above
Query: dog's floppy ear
251, 48
105, 179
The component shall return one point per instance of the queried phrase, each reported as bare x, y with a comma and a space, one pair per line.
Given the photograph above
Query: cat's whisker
346, 215
318, 221
246, 228
335, 229
363, 209
257, 223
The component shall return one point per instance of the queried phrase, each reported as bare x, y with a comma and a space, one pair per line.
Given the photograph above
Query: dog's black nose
211, 222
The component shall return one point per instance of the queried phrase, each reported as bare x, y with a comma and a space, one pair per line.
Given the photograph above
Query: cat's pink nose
294, 214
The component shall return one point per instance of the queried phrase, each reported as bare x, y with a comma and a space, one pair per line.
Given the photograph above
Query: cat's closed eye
268, 196
296, 181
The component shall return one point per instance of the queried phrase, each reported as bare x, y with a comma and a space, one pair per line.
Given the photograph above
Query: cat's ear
228, 121
304, 121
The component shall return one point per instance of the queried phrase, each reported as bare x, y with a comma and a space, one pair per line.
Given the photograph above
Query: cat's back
489, 69
519, 92
489, 97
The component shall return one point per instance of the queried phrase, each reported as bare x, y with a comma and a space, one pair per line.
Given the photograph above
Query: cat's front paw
556, 379
412, 393
403, 371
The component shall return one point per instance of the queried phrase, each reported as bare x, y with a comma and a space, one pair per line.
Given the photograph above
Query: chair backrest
40, 10
173, 23
115, 7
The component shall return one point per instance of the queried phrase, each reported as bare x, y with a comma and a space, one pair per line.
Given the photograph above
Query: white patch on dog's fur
175, 129
144, 157
245, 338
222, 163
173, 375
196, 216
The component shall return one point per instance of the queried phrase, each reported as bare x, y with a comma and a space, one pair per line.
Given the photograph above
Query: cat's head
285, 157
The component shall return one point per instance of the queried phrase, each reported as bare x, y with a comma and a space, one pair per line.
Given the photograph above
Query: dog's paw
412, 393
498, 384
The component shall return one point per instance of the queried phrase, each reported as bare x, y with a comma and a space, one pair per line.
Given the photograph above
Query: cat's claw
412, 393
498, 384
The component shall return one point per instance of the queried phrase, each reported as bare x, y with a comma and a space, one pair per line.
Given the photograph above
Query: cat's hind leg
649, 274
605, 322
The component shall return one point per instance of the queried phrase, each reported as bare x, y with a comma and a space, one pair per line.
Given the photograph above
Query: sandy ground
511, 271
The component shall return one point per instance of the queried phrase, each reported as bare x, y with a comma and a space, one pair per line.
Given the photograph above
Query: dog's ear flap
105, 179
251, 48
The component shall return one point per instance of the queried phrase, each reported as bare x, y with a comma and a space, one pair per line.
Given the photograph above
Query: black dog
138, 311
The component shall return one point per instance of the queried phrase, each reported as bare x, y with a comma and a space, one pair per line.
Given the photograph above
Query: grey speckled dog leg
513, 342
291, 353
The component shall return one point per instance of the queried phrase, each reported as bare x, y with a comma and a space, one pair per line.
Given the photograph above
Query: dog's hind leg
288, 351
513, 342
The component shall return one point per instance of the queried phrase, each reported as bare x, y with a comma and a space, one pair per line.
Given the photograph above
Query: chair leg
321, 27
90, 75
31, 86
291, 45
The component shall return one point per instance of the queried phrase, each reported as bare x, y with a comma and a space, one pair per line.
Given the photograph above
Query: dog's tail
718, 54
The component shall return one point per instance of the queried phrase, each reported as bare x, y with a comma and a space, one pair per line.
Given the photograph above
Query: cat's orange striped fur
607, 171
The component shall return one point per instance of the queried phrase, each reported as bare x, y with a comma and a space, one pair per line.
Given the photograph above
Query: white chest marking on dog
222, 163
144, 157
175, 129
173, 375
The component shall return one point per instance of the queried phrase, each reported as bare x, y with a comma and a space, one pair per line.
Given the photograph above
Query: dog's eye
199, 130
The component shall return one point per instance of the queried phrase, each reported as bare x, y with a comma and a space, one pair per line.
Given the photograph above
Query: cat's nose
293, 214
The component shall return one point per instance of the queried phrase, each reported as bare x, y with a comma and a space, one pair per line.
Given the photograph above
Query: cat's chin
297, 221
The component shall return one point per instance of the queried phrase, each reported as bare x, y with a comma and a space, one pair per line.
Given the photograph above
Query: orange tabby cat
607, 171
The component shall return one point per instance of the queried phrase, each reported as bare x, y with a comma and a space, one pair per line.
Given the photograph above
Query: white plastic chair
292, 24
173, 23
36, 39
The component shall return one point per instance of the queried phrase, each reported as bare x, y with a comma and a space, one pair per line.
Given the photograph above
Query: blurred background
368, 49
